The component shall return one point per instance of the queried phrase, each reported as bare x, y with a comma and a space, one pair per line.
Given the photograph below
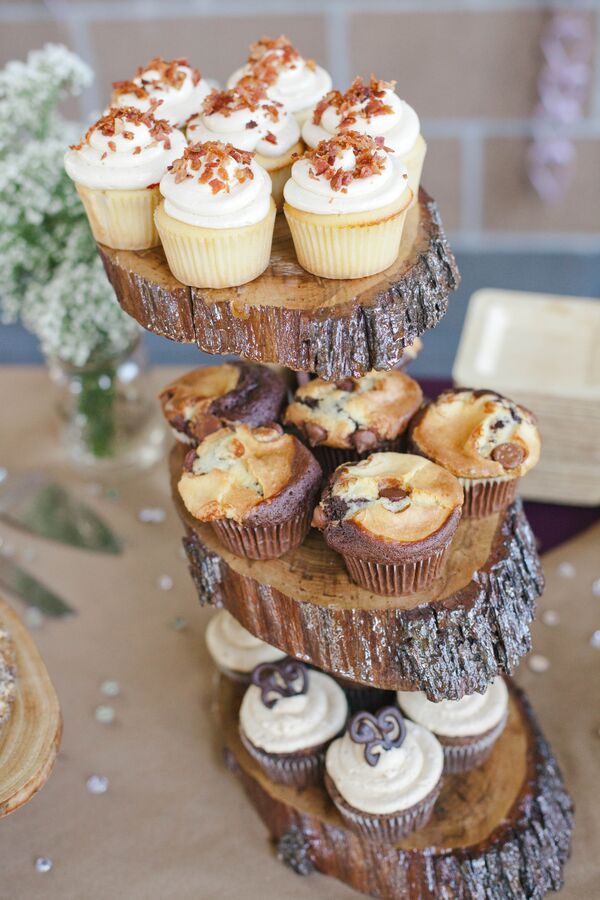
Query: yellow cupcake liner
215, 257
123, 220
414, 165
279, 169
351, 245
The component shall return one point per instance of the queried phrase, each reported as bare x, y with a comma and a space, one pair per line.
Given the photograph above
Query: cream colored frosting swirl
233, 647
295, 723
471, 715
402, 777
124, 150
292, 80
174, 84
312, 188
396, 121
257, 124
214, 185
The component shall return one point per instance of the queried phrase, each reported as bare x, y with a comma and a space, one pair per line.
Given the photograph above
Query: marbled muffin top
469, 716
387, 504
204, 400
477, 434
356, 412
257, 476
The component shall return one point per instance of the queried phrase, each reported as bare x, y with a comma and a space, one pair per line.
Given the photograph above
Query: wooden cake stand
472, 624
289, 317
500, 831
30, 739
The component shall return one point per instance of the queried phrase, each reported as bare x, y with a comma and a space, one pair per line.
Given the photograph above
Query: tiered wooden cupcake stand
500, 831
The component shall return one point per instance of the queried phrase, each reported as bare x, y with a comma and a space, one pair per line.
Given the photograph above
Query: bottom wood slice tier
449, 641
502, 831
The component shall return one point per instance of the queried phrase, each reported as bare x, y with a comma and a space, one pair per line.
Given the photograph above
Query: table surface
174, 823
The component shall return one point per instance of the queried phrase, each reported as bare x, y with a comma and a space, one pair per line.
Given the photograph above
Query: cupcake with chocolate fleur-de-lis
288, 716
384, 774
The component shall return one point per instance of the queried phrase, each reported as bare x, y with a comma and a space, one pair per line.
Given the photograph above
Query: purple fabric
552, 523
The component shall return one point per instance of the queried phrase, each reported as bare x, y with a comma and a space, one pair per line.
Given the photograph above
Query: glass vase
109, 416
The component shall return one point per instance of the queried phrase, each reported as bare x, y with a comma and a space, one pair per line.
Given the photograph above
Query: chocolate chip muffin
346, 420
392, 517
206, 399
486, 440
256, 486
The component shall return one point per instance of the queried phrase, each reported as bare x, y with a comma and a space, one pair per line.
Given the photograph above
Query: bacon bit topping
270, 137
368, 159
251, 124
270, 56
360, 100
108, 125
248, 93
137, 150
170, 73
112, 146
210, 160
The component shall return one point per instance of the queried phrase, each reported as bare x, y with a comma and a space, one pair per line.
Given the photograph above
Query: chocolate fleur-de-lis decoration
287, 678
383, 731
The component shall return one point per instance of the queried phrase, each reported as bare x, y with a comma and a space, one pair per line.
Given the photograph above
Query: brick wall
469, 68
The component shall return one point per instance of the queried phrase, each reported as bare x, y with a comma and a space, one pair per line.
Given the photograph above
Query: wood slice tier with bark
30, 740
452, 640
287, 316
501, 831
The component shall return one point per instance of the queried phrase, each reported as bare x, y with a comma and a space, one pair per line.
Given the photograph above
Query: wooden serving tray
30, 740
501, 830
290, 317
472, 624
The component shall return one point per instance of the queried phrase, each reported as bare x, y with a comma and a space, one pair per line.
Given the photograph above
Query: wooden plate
502, 830
289, 317
30, 740
472, 624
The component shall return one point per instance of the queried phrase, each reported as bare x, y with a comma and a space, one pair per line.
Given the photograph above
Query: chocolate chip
319, 519
499, 423
509, 455
393, 492
188, 463
346, 384
308, 401
364, 440
315, 433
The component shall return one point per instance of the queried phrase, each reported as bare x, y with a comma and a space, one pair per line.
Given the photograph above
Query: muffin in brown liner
403, 578
264, 541
300, 769
390, 827
461, 754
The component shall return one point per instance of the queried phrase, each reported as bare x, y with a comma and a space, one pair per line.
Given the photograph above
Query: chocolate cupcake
384, 774
392, 517
362, 696
234, 650
467, 729
288, 717
256, 486
204, 400
346, 420
484, 439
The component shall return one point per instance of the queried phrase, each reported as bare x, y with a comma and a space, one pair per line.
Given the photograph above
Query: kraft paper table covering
174, 822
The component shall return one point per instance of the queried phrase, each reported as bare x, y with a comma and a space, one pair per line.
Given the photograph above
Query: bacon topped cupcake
172, 85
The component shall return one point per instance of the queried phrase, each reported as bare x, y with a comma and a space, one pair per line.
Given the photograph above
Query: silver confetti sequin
153, 515
566, 570
110, 688
43, 864
104, 714
538, 663
550, 617
97, 784
595, 640
164, 582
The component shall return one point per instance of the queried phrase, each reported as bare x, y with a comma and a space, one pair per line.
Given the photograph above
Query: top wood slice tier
289, 317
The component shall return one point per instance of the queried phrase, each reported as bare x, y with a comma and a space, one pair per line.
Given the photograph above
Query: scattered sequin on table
596, 587
105, 714
550, 617
595, 640
538, 663
43, 864
566, 570
110, 688
152, 515
97, 784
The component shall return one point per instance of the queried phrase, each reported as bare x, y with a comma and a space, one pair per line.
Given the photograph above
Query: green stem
97, 404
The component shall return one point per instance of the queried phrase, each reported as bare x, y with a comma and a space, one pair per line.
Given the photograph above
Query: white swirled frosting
174, 85
469, 716
401, 778
295, 723
374, 109
215, 185
125, 150
248, 119
233, 647
292, 80
317, 180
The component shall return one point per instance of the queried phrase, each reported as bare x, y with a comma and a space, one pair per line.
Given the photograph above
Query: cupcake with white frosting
117, 167
172, 85
296, 82
217, 217
346, 204
248, 118
384, 775
467, 729
288, 716
374, 109
234, 650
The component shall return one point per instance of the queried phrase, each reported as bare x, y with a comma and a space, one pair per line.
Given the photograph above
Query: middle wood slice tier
452, 640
